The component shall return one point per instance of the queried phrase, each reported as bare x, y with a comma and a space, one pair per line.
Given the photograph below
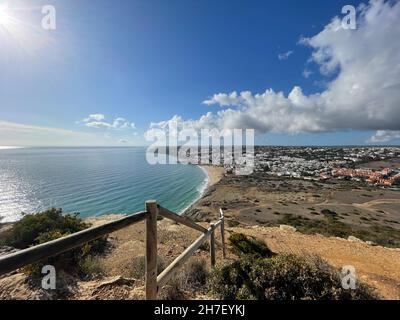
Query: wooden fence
30, 255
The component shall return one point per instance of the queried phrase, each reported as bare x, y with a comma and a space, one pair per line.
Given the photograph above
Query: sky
114, 71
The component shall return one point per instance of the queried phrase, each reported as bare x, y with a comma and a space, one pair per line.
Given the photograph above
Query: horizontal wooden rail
173, 268
27, 256
180, 219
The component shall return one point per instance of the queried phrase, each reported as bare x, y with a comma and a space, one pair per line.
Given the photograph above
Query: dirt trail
372, 203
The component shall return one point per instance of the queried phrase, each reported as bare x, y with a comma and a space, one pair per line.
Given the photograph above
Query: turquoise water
92, 181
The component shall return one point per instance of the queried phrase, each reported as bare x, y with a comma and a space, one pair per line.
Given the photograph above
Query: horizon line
257, 145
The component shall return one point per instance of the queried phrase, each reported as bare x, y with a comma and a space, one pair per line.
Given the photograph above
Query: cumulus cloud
364, 95
98, 121
223, 99
285, 56
382, 136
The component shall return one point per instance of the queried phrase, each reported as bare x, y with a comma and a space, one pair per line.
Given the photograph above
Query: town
323, 163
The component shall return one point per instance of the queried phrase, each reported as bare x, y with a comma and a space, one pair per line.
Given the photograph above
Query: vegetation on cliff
279, 277
34, 229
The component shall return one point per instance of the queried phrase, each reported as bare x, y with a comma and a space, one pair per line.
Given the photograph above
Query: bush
329, 213
26, 231
189, 281
191, 278
138, 267
243, 245
90, 266
195, 274
282, 277
171, 291
205, 246
34, 229
232, 223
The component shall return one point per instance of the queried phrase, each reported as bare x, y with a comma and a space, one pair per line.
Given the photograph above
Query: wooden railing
30, 255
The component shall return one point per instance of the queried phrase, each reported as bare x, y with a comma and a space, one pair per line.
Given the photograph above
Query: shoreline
214, 174
202, 190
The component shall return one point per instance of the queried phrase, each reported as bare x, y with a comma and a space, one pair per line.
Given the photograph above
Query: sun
5, 18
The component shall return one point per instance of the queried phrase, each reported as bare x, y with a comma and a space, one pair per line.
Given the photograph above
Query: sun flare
19, 32
5, 17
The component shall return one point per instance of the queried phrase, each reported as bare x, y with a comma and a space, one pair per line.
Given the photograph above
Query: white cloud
365, 94
98, 124
94, 117
29, 135
121, 123
223, 99
382, 136
285, 56
307, 73
98, 121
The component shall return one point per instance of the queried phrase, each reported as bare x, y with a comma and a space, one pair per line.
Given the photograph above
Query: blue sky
146, 61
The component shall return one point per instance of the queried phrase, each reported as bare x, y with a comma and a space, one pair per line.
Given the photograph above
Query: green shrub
329, 213
243, 245
34, 229
205, 246
191, 279
282, 277
90, 266
138, 267
195, 273
26, 231
172, 291
232, 223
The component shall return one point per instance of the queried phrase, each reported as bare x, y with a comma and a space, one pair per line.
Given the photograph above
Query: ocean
92, 181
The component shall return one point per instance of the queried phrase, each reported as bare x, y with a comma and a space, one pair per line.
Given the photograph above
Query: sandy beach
215, 174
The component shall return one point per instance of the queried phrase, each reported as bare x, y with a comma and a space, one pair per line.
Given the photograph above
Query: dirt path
372, 203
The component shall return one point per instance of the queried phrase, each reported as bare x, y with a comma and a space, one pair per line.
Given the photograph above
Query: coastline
214, 174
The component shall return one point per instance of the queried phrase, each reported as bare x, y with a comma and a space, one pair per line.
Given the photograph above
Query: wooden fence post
222, 232
151, 250
212, 245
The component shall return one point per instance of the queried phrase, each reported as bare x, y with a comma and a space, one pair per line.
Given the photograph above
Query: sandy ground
261, 199
215, 174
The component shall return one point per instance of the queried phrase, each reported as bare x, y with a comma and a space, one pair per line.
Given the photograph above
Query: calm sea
92, 181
